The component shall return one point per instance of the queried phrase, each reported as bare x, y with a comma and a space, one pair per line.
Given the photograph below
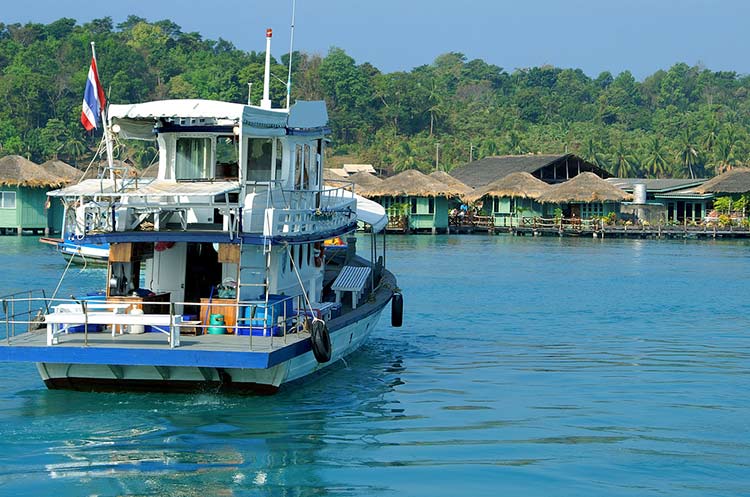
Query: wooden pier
598, 229
593, 228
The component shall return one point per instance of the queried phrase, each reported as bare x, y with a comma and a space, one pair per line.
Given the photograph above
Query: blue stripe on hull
145, 357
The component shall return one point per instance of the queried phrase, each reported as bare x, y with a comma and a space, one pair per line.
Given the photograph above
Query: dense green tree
674, 122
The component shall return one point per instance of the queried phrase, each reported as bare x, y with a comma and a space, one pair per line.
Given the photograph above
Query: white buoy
136, 329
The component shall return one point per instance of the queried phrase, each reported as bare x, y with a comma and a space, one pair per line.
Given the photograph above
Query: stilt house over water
548, 168
414, 201
23, 196
511, 199
586, 196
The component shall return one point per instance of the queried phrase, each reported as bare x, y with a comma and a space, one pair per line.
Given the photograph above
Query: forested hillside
681, 121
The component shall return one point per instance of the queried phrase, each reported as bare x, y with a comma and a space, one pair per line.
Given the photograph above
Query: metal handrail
288, 323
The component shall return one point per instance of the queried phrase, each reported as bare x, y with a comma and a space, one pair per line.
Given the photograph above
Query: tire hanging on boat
397, 310
321, 341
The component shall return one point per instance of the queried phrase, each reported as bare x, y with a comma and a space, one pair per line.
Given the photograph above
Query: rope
302, 285
59, 283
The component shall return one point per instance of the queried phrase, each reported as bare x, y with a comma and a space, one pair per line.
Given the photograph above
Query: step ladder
254, 273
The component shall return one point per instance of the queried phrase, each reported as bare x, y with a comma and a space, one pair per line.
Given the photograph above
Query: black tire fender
397, 310
320, 340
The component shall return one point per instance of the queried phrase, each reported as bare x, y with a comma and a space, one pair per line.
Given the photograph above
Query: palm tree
688, 152
514, 143
723, 156
592, 153
656, 163
712, 135
624, 165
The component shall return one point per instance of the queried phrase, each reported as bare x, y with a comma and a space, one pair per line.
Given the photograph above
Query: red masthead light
269, 33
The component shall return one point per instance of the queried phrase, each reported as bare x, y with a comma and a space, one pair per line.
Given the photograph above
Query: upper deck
226, 171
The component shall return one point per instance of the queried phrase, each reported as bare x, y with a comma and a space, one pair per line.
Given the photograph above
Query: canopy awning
372, 213
137, 121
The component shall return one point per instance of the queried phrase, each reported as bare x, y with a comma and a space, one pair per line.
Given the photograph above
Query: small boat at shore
79, 253
219, 276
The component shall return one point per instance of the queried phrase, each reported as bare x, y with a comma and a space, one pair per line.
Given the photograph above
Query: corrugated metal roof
482, 172
654, 185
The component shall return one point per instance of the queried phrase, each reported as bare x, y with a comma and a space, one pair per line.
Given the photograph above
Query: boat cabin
238, 206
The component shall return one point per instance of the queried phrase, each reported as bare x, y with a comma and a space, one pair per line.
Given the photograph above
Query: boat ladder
255, 273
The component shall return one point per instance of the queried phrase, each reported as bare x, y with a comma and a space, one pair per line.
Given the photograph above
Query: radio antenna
291, 48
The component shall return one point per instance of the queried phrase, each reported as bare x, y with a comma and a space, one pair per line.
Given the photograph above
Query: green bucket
215, 324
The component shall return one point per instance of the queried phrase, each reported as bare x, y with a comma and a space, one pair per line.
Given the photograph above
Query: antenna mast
291, 48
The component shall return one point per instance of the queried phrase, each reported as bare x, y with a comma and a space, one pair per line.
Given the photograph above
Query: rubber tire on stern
321, 341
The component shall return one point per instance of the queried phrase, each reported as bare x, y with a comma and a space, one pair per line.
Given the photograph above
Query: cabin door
203, 271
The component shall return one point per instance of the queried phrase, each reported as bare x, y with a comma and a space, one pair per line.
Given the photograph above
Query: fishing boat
219, 276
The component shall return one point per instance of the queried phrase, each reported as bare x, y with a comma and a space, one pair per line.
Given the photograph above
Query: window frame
11, 194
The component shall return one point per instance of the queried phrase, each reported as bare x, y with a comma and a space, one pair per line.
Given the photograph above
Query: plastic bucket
215, 324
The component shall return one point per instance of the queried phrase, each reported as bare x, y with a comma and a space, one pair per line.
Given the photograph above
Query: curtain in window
193, 158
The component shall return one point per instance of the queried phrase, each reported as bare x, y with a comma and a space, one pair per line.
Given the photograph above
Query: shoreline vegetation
678, 122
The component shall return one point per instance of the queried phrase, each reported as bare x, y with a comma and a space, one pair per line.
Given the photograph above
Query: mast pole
291, 48
105, 124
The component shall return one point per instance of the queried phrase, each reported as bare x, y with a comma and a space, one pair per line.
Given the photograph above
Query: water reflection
204, 444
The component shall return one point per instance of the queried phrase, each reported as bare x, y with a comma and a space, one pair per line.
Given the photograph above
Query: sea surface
525, 367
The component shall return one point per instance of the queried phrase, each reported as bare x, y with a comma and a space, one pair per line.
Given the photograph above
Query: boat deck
156, 340
153, 349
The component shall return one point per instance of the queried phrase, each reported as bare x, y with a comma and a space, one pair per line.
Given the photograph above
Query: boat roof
106, 187
137, 121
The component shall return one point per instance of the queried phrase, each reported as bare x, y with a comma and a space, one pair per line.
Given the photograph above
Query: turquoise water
530, 367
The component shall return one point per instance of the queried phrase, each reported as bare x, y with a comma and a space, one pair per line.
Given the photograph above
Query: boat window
7, 200
259, 156
307, 181
227, 156
193, 158
298, 162
279, 153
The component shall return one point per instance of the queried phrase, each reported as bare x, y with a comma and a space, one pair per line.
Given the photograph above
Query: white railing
63, 319
287, 213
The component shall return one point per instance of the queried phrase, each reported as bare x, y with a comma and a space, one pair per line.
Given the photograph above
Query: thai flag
93, 99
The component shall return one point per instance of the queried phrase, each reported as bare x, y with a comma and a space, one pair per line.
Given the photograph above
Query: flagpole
105, 124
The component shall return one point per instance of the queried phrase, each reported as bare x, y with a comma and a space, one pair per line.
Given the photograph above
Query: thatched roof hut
585, 188
514, 185
735, 181
411, 183
364, 179
449, 180
19, 171
63, 170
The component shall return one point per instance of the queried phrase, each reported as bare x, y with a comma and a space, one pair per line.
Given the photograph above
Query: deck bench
59, 322
351, 279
